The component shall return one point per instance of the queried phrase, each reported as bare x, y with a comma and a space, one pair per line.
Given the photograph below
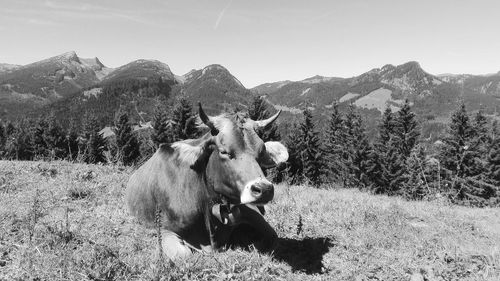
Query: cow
198, 191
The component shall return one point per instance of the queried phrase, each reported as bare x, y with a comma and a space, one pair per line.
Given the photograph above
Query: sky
259, 41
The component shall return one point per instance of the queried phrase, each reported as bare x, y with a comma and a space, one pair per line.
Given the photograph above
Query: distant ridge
70, 81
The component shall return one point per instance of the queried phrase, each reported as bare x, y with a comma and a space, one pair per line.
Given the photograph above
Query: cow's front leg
173, 246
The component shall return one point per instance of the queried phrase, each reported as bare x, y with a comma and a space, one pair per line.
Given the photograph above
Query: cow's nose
263, 192
258, 192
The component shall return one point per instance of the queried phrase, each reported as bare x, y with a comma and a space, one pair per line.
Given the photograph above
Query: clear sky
259, 40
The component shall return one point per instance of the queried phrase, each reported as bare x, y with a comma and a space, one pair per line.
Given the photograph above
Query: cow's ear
276, 153
194, 155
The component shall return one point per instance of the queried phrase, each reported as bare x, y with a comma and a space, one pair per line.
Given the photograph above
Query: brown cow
188, 180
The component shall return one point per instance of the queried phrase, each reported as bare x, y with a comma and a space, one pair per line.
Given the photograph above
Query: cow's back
173, 187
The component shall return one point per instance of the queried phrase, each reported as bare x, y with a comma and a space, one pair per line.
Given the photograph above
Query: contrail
222, 14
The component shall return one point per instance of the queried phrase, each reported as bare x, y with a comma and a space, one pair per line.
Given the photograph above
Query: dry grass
62, 221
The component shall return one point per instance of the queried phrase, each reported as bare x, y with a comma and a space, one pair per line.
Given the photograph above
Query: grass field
63, 221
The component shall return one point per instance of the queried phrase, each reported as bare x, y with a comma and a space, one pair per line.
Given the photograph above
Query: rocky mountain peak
318, 79
93, 63
387, 68
215, 68
214, 72
69, 56
6, 67
141, 69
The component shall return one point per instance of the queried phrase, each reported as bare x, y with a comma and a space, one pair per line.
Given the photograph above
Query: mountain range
67, 82
67, 79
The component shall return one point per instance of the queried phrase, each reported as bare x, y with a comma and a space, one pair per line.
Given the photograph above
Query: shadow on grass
304, 255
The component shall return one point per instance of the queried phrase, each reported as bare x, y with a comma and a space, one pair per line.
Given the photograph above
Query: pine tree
184, 121
38, 131
8, 131
377, 179
19, 143
493, 165
334, 143
493, 133
258, 110
294, 165
311, 154
394, 170
385, 169
387, 164
361, 163
386, 127
460, 158
9, 128
126, 142
353, 138
162, 126
377, 170
455, 155
3, 138
406, 130
95, 144
71, 142
492, 174
54, 138
415, 185
482, 138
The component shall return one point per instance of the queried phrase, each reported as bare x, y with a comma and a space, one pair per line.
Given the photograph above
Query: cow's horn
207, 120
268, 121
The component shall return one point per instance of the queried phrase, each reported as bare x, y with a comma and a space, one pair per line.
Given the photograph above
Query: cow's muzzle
257, 192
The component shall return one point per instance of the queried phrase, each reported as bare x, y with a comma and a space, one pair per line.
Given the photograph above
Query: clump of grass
46, 170
86, 175
31, 221
300, 225
101, 263
61, 233
5, 182
160, 261
163, 264
80, 191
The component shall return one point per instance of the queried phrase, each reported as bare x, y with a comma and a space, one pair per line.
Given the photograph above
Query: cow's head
233, 156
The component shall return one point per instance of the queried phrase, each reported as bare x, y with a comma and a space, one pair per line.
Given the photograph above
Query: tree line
45, 138
464, 166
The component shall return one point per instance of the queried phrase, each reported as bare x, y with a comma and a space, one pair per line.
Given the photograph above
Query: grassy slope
82, 231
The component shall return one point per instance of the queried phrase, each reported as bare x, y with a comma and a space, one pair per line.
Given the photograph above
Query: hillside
215, 87
54, 77
140, 70
67, 221
433, 97
141, 85
484, 84
66, 82
380, 86
269, 88
70, 86
24, 88
138, 97
6, 67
